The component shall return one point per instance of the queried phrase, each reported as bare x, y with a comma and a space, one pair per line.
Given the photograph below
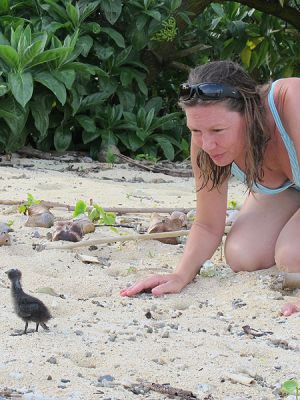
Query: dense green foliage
83, 74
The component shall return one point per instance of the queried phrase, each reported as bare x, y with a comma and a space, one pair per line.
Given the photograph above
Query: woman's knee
239, 257
287, 257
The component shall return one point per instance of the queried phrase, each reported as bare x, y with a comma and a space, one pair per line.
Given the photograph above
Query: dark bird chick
27, 307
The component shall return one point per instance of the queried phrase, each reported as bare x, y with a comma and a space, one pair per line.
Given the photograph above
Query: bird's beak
6, 272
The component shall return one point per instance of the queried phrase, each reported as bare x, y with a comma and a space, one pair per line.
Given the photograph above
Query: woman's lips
217, 157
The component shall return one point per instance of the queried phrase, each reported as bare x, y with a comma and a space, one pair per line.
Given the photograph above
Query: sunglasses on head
208, 91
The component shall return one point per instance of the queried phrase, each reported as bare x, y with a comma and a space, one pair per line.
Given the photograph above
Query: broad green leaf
88, 137
32, 51
80, 208
93, 27
126, 77
4, 6
154, 14
60, 11
149, 118
115, 36
246, 56
218, 9
88, 9
73, 13
40, 109
62, 138
112, 10
3, 88
24, 41
75, 101
49, 55
290, 387
66, 76
21, 85
141, 84
166, 146
86, 68
58, 88
15, 35
122, 57
97, 98
154, 102
87, 123
141, 22
175, 4
127, 99
85, 43
15, 117
3, 39
9, 55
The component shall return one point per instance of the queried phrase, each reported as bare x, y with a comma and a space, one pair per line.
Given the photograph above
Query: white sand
195, 338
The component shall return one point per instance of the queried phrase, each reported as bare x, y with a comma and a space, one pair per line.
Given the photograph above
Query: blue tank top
258, 188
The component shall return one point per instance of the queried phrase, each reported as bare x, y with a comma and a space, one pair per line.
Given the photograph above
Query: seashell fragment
88, 259
241, 378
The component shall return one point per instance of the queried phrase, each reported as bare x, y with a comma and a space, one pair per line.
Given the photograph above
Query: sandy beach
104, 346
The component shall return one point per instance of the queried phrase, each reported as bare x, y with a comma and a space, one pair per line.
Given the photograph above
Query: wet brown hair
251, 106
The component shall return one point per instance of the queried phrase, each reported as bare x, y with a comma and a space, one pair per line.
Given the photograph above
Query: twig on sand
157, 169
165, 389
287, 280
116, 210
124, 238
10, 394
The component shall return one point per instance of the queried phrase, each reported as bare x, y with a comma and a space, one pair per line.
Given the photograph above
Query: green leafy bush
88, 74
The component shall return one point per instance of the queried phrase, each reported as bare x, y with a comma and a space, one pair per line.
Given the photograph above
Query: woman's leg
251, 243
287, 255
287, 249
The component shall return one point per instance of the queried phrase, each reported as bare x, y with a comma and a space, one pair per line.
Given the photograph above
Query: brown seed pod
86, 224
68, 231
36, 209
165, 224
5, 239
44, 220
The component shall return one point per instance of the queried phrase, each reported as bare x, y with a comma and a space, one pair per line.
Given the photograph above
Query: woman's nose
208, 143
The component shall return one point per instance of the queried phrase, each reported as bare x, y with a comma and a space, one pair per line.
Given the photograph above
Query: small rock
52, 360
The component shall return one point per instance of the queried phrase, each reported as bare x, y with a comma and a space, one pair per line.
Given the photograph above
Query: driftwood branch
93, 242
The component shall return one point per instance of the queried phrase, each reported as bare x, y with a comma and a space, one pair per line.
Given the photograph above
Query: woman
253, 132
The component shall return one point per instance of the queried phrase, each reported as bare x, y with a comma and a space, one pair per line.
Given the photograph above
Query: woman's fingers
289, 309
140, 286
171, 286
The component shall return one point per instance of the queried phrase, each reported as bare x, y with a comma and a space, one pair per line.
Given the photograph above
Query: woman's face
218, 131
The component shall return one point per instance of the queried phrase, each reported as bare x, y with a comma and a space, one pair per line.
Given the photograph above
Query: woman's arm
207, 230
289, 109
204, 238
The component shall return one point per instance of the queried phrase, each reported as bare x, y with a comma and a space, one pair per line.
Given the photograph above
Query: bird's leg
37, 327
44, 326
26, 326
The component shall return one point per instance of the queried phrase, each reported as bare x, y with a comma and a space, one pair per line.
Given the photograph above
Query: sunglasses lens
207, 91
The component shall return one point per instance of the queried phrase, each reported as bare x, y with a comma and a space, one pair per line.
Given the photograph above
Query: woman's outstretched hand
157, 284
